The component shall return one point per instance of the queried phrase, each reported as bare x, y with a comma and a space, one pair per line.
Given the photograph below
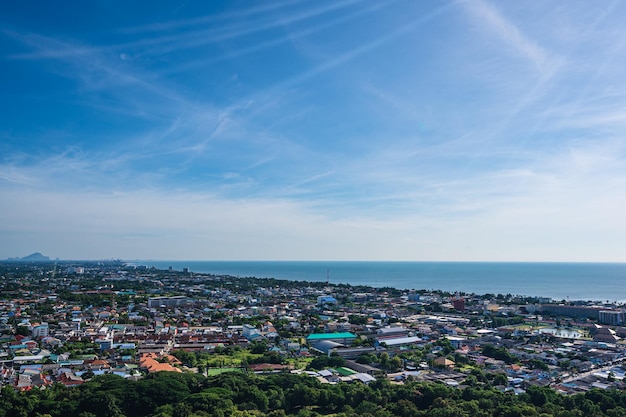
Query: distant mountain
33, 257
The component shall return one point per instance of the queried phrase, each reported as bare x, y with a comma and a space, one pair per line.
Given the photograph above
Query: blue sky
331, 130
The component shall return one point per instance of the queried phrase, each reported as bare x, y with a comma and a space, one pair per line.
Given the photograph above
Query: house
150, 363
326, 299
604, 334
41, 330
69, 379
444, 363
250, 332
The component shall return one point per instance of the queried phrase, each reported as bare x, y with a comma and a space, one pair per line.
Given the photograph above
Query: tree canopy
168, 394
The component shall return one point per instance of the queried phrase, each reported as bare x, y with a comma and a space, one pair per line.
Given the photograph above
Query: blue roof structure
331, 336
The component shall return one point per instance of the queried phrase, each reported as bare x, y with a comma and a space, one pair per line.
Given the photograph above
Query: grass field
217, 371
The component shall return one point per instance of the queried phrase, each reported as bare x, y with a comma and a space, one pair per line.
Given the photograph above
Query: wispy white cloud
95, 69
237, 26
240, 29
189, 124
14, 176
510, 33
183, 225
484, 152
290, 37
239, 14
347, 56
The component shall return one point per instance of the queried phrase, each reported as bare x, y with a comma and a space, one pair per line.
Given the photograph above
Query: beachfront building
612, 317
579, 312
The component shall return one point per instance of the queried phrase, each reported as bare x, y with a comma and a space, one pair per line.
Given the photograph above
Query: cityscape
67, 322
331, 208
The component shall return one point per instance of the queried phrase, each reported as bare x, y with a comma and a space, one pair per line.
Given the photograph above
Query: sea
557, 281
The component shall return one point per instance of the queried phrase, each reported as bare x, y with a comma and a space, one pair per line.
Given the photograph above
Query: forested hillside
183, 395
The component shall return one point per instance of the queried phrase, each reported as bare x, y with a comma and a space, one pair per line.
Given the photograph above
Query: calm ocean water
576, 281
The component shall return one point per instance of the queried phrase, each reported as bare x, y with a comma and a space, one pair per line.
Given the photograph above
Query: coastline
557, 281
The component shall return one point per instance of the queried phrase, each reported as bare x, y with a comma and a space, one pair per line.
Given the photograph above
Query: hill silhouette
33, 257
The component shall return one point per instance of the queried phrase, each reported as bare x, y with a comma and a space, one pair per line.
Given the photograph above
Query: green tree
500, 379
395, 364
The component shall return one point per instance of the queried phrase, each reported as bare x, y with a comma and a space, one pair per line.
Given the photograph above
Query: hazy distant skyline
328, 130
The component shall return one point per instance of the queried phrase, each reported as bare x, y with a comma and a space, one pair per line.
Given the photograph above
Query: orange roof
149, 362
443, 361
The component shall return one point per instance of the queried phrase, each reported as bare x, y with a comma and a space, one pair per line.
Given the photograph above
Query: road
595, 370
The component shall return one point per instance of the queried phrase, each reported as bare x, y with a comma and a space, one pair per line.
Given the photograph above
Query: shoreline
555, 281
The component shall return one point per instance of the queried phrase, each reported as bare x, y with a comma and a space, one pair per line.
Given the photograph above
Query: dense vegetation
230, 395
